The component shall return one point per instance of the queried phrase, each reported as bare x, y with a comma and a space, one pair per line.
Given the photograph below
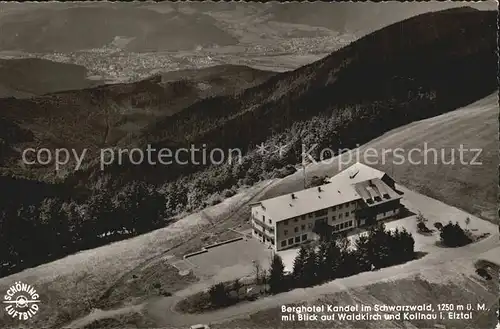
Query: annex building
356, 197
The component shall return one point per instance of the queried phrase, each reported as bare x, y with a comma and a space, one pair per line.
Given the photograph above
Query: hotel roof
309, 200
358, 182
356, 173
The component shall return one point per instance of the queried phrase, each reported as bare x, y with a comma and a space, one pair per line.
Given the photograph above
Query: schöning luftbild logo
21, 301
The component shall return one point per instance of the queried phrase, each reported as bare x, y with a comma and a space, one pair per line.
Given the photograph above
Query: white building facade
348, 201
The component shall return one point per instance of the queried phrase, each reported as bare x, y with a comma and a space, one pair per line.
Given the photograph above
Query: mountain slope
404, 72
416, 69
414, 60
470, 186
220, 79
102, 115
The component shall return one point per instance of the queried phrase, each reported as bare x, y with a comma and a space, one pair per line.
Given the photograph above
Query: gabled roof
308, 200
358, 172
358, 182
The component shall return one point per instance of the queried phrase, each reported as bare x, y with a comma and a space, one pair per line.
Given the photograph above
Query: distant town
112, 64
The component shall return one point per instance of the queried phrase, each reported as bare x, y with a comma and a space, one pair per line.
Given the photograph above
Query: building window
283, 243
347, 214
324, 220
290, 241
310, 225
321, 212
286, 222
340, 216
350, 223
297, 239
286, 232
333, 217
341, 226
310, 215
303, 217
333, 208
270, 221
295, 219
337, 227
340, 206
302, 227
304, 237
352, 211
296, 229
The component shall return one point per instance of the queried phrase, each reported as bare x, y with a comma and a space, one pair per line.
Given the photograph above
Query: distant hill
220, 79
29, 77
362, 17
76, 28
102, 115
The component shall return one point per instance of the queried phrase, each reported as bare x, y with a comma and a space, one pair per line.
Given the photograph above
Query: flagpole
304, 172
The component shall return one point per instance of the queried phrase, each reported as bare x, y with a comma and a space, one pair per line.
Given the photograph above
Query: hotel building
356, 197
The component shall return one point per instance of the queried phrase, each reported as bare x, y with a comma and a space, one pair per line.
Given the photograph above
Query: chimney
293, 196
319, 189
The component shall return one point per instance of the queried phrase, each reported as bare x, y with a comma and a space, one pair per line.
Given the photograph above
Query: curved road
162, 309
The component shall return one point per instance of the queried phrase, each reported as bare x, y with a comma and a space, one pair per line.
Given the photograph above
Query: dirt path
148, 261
161, 310
97, 313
